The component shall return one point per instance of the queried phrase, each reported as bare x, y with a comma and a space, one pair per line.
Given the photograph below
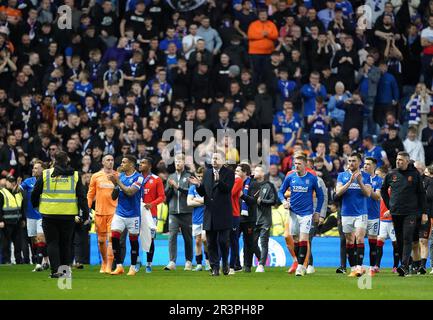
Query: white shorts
34, 227
350, 224
131, 224
197, 229
373, 227
386, 230
299, 224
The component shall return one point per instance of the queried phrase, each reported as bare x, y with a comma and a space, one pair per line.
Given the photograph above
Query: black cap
11, 178
430, 114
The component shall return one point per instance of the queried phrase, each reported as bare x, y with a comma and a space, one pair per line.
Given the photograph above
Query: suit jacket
218, 213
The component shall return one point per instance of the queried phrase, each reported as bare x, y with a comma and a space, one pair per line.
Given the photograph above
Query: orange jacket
258, 43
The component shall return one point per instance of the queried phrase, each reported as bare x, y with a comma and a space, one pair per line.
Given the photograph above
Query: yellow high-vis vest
11, 205
59, 194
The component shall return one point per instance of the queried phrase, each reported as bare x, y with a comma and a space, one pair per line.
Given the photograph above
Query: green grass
18, 282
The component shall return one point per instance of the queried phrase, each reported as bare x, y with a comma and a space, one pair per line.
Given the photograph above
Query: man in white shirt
189, 41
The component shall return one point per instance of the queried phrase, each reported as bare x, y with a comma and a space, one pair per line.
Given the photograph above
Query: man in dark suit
217, 221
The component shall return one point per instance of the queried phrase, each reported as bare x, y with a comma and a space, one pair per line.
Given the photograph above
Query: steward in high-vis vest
12, 219
62, 202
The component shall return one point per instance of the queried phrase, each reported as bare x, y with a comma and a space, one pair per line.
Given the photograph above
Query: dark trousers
234, 244
262, 233
12, 234
81, 247
258, 64
404, 227
247, 230
58, 235
218, 244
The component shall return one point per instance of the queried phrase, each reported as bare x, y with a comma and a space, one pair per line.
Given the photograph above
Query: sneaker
199, 267
119, 270
341, 270
232, 272
238, 269
132, 271
431, 272
37, 268
148, 269
170, 266
188, 266
260, 268
394, 270
359, 271
403, 272
207, 266
310, 270
300, 271
294, 267
422, 270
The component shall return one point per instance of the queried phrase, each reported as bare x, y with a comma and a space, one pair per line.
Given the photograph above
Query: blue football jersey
129, 207
27, 186
354, 202
301, 193
373, 206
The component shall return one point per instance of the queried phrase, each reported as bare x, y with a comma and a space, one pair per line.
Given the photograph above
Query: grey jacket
268, 196
373, 76
176, 199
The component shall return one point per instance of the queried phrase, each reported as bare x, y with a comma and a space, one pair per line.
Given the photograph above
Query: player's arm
319, 196
129, 191
282, 190
192, 202
365, 188
375, 195
341, 189
92, 191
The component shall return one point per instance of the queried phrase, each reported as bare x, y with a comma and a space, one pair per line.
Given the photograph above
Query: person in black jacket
263, 202
216, 189
405, 202
425, 229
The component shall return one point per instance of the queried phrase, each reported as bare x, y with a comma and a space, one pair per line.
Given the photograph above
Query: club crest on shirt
394, 178
307, 181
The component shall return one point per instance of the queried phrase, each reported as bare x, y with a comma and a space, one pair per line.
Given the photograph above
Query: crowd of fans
327, 77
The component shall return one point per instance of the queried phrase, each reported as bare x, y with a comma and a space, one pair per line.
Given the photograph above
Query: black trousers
11, 234
404, 227
250, 248
234, 244
81, 252
218, 243
58, 235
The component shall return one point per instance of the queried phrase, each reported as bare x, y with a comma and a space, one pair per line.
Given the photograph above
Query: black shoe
422, 270
238, 268
403, 272
226, 270
341, 270
215, 273
247, 269
45, 266
55, 275
79, 266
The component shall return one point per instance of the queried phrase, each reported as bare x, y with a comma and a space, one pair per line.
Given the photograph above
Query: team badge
394, 178
307, 181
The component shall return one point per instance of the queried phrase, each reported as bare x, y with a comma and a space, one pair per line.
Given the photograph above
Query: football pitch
18, 282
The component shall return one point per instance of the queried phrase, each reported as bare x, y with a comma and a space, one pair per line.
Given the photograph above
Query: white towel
146, 227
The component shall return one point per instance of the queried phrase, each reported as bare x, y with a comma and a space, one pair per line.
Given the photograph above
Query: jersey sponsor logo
299, 189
